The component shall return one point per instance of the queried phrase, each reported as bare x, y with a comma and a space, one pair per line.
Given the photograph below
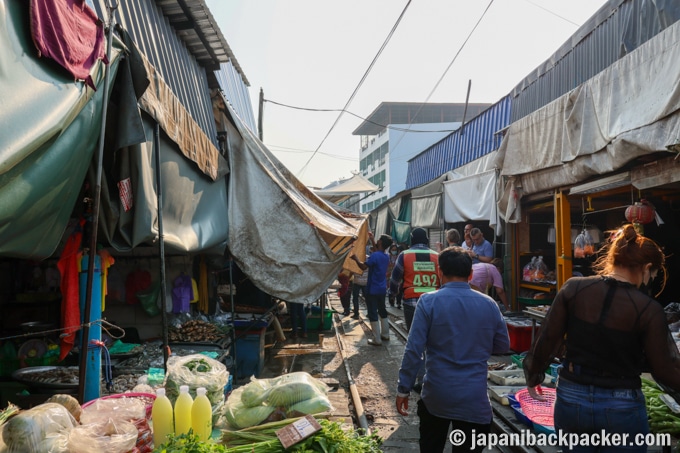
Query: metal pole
161, 243
467, 98
82, 374
232, 287
259, 115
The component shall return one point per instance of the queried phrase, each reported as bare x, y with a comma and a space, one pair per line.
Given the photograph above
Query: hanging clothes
70, 33
69, 267
194, 289
107, 261
182, 293
136, 281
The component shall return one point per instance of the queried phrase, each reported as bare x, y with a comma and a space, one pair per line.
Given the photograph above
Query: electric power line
446, 70
283, 149
361, 82
355, 115
552, 12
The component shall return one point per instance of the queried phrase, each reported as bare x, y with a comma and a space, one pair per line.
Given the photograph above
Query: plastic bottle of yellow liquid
161, 417
183, 410
201, 415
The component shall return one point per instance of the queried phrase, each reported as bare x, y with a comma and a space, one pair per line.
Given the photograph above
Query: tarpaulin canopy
470, 192
194, 206
628, 110
51, 128
289, 242
338, 193
426, 211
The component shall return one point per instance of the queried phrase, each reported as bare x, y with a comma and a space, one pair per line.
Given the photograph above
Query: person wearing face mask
393, 253
612, 332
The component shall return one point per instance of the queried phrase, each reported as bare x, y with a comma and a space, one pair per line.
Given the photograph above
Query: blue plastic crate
250, 354
519, 414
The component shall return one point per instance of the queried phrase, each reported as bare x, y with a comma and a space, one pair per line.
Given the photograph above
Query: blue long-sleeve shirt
460, 329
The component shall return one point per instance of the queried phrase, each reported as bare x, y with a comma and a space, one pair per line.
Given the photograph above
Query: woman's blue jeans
589, 409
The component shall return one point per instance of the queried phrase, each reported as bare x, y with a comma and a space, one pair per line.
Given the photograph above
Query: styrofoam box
507, 377
500, 393
511, 377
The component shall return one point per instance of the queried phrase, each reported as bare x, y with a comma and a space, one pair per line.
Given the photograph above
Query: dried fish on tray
197, 330
48, 377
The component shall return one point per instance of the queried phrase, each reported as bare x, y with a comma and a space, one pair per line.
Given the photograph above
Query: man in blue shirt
482, 250
376, 288
460, 328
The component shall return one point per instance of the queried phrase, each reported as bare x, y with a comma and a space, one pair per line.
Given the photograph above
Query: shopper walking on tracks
376, 289
345, 291
416, 272
613, 331
460, 328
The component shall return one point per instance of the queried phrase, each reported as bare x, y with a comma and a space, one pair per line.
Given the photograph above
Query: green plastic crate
530, 301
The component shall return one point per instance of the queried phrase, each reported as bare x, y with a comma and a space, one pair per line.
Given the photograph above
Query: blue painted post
93, 372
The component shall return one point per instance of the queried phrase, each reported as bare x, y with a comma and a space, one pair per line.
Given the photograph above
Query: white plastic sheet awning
471, 198
470, 192
628, 110
357, 184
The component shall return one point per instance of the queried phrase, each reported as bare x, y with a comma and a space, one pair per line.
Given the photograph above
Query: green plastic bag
148, 299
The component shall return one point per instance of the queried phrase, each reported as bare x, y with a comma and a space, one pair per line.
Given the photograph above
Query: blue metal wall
477, 138
157, 40
618, 28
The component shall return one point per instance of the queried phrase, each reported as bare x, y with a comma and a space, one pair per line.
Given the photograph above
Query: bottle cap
160, 392
200, 391
183, 389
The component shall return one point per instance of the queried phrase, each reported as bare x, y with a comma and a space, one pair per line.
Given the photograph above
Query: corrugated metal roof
615, 30
183, 42
416, 112
197, 27
236, 92
475, 139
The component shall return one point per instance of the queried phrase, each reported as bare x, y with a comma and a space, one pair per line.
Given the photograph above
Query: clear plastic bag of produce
196, 370
103, 437
41, 429
286, 396
116, 409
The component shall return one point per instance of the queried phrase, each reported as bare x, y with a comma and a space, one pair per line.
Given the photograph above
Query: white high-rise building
396, 132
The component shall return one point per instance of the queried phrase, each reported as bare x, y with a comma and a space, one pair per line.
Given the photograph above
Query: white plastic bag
38, 430
103, 437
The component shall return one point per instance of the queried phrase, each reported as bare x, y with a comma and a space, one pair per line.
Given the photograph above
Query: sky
314, 54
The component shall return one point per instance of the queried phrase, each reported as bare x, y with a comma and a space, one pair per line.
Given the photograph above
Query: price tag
298, 431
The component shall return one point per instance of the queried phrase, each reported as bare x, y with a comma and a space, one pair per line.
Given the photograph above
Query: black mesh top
610, 348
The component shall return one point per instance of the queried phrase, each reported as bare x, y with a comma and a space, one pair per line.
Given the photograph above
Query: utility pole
467, 98
259, 116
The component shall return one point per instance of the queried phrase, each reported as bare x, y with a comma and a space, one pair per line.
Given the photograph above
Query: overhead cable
446, 71
361, 82
386, 126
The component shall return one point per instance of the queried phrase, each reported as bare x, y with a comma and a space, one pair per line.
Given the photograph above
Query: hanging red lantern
641, 212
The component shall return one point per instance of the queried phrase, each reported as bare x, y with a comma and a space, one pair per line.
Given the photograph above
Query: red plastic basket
147, 398
541, 412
